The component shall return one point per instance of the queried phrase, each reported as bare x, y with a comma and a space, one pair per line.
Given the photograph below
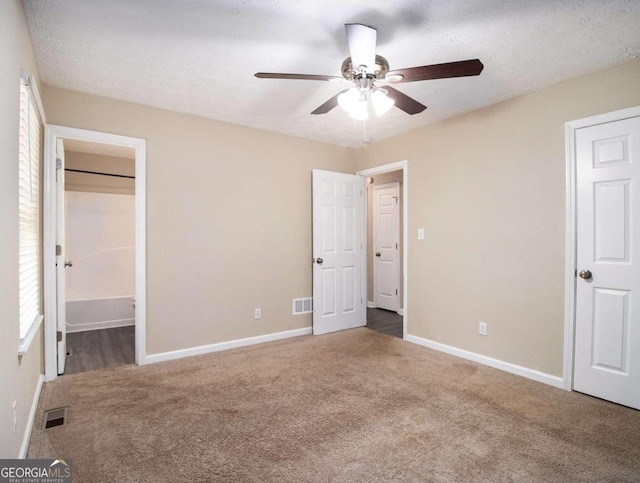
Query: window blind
29, 209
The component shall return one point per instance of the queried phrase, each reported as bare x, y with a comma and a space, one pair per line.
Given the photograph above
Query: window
30, 142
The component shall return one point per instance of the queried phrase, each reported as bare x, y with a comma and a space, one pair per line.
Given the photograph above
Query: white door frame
571, 237
394, 184
386, 168
52, 133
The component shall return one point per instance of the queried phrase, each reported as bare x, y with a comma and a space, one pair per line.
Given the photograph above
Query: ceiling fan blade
463, 68
330, 104
362, 45
404, 102
272, 75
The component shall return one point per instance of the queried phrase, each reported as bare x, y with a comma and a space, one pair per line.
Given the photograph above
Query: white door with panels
60, 258
386, 246
338, 244
607, 334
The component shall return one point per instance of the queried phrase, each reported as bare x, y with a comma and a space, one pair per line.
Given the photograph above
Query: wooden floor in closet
99, 349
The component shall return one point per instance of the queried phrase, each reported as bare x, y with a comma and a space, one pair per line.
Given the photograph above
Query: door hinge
575, 272
58, 163
396, 291
58, 250
59, 335
396, 246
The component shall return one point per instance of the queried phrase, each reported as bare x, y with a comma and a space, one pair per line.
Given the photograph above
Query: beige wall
101, 164
378, 179
18, 378
489, 189
228, 218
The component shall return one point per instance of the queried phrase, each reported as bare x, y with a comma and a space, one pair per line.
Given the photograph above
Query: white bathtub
102, 313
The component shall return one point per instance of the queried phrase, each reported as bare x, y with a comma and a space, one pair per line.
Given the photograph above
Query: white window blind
29, 209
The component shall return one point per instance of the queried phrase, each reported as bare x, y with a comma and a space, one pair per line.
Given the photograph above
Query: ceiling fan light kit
364, 67
363, 98
381, 102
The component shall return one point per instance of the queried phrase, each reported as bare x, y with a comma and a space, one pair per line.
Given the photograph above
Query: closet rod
101, 174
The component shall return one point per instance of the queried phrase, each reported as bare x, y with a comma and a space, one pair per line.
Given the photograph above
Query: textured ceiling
199, 56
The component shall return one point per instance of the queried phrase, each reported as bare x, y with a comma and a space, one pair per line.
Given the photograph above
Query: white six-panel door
386, 252
607, 341
338, 225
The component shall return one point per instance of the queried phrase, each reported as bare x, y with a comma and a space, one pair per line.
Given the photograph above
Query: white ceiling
199, 56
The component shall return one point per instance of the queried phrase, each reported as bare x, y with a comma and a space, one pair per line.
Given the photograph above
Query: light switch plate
420, 233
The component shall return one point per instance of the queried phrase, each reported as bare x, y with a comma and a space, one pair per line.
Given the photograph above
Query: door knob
319, 261
377, 254
585, 274
68, 264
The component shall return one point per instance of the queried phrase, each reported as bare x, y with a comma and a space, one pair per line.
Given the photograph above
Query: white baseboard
401, 312
221, 346
104, 324
100, 313
545, 378
32, 416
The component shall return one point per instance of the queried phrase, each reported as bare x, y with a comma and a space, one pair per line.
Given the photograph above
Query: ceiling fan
364, 68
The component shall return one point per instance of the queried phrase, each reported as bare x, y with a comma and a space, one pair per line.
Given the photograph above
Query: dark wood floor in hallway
99, 349
384, 321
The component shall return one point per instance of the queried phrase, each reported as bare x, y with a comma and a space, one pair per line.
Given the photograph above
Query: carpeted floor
351, 406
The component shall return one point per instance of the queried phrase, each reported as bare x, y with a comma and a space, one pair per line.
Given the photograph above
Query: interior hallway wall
489, 188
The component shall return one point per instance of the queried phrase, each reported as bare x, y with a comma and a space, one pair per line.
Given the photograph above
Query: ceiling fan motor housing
379, 71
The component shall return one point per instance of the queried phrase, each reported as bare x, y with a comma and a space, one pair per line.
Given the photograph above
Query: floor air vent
302, 306
55, 417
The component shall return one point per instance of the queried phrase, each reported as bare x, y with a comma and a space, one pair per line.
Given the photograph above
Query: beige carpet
350, 406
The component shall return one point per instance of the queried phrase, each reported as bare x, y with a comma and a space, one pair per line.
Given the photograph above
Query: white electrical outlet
258, 314
14, 415
483, 328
